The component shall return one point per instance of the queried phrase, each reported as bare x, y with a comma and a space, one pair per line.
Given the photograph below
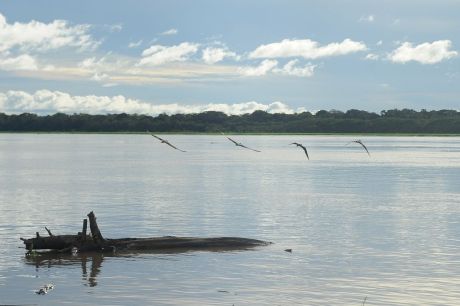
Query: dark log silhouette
97, 243
95, 232
49, 232
83, 231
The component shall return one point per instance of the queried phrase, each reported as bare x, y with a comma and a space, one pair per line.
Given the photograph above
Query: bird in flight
362, 144
301, 146
167, 142
239, 144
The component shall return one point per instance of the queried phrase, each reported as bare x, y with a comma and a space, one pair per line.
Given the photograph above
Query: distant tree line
333, 121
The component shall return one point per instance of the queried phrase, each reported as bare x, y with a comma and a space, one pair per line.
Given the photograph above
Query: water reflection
94, 260
385, 227
96, 264
91, 263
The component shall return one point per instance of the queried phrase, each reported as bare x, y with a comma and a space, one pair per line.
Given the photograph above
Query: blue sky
234, 56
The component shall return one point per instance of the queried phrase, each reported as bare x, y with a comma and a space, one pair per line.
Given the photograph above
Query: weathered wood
49, 232
96, 243
143, 244
83, 231
95, 232
188, 243
54, 242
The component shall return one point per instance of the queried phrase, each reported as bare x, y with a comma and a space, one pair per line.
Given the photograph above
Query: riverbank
241, 133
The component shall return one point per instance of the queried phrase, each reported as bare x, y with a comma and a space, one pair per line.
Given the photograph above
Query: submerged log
95, 242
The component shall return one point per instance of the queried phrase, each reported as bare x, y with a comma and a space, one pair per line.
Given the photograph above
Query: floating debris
41, 291
82, 242
44, 290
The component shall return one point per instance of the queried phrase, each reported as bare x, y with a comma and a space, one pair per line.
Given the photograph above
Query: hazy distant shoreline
393, 122
241, 133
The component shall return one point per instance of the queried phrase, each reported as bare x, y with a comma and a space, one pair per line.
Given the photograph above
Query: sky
152, 57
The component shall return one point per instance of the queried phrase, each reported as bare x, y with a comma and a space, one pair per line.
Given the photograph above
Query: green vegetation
351, 121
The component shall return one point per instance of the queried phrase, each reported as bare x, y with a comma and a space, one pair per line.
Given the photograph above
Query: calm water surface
385, 227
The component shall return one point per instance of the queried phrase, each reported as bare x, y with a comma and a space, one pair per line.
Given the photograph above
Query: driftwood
82, 242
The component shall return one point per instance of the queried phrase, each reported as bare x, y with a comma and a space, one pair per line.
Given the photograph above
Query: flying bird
167, 142
301, 146
239, 144
362, 144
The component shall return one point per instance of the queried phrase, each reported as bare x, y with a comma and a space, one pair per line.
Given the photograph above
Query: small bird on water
362, 144
167, 142
301, 146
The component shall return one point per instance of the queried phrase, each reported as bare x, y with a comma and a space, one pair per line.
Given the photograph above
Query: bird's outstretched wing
236, 143
362, 144
174, 147
239, 144
167, 142
159, 138
303, 148
306, 153
243, 146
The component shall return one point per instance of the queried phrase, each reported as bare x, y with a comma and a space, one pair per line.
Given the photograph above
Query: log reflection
92, 260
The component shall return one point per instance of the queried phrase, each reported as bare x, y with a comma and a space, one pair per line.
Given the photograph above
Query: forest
332, 121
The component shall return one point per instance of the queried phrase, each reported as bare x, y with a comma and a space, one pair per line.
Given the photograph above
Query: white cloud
247, 108
425, 53
279, 107
48, 102
306, 48
372, 57
104, 70
116, 27
260, 70
88, 62
21, 62
170, 32
99, 77
39, 36
367, 18
108, 62
379, 43
125, 70
213, 55
291, 70
158, 54
104, 79
109, 85
135, 44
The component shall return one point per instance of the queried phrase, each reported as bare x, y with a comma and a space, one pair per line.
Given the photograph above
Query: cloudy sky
234, 56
